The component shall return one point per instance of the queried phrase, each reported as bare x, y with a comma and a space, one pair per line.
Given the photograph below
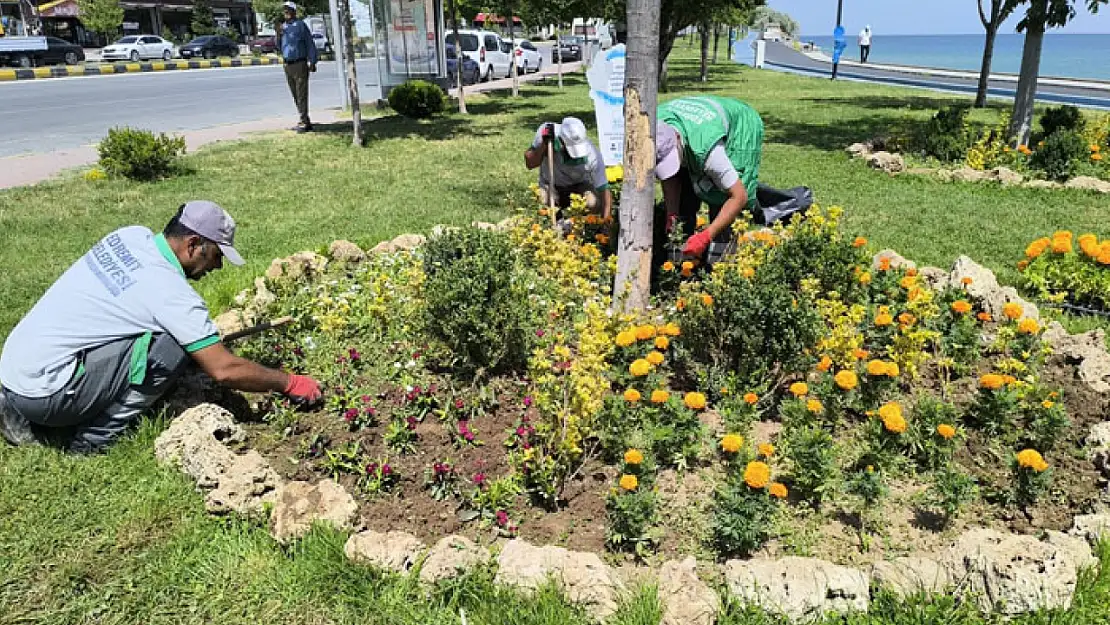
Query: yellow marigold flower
865, 278
633, 456
602, 239
626, 338
961, 307
1012, 311
655, 358
892, 370
668, 266
846, 380
883, 319
631, 395
1029, 326
1031, 459
1036, 248
860, 354
687, 266
659, 396
1061, 246
662, 342
891, 414
778, 490
876, 368
985, 317
731, 443
694, 401
748, 272
966, 280
672, 329
701, 222
1048, 404
680, 304
614, 173
1096, 147
906, 319
644, 333
859, 242
815, 406
799, 389
947, 432
766, 450
991, 381
706, 299
1096, 157
908, 282
757, 475
825, 364
629, 482
640, 368
751, 398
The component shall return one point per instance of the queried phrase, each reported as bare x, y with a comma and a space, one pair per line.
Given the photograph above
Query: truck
21, 51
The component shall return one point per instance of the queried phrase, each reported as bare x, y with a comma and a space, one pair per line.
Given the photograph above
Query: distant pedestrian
299, 52
865, 44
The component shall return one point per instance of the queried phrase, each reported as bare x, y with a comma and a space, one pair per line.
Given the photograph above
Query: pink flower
459, 404
528, 401
351, 414
354, 355
370, 412
479, 480
522, 431
432, 389
371, 468
416, 390
387, 470
502, 518
366, 399
411, 423
540, 333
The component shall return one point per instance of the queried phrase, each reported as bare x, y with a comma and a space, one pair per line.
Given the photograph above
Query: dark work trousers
296, 74
864, 53
99, 401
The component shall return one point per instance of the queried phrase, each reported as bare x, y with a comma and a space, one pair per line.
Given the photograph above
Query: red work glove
303, 388
697, 244
548, 132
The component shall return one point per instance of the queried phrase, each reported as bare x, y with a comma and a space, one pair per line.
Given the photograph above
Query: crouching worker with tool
707, 149
110, 336
569, 164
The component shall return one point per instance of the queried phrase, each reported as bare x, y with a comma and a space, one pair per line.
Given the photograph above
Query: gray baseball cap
213, 223
667, 159
573, 134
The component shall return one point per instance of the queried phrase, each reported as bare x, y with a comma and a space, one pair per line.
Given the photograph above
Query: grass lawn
118, 539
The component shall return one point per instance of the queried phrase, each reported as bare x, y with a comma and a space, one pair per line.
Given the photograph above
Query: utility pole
838, 36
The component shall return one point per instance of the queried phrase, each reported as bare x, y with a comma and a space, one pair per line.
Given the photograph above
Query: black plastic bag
776, 205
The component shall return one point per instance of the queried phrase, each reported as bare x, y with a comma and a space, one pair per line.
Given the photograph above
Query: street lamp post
838, 37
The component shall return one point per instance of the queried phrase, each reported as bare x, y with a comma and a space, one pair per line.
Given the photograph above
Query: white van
484, 47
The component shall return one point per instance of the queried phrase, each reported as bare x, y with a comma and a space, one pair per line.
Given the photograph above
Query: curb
7, 75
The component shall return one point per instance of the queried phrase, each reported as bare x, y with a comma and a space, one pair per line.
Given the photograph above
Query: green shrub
928, 447
951, 491
947, 135
1065, 117
812, 453
139, 154
1063, 151
476, 301
418, 99
742, 518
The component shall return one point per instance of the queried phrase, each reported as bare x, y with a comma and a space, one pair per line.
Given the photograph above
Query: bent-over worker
118, 327
579, 169
707, 149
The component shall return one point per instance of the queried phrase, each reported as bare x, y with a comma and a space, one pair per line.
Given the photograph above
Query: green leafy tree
101, 16
203, 22
763, 16
271, 9
992, 19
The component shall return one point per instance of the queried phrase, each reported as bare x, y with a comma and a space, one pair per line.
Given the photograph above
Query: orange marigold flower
825, 363
859, 242
907, 319
985, 317
672, 329
860, 354
1061, 246
751, 399
757, 475
1009, 380
706, 299
912, 272
1012, 311
1031, 459
644, 333
1036, 248
748, 272
766, 450
602, 239
701, 222
1062, 234
799, 389
884, 263
1029, 326
631, 395
629, 482
876, 368
724, 390
655, 358
1096, 157
991, 381
946, 431
846, 380
662, 342
731, 443
892, 370
694, 401
778, 490
633, 456
815, 406
659, 396
961, 307
626, 338
883, 319
966, 280
640, 368
1022, 265
668, 266
680, 304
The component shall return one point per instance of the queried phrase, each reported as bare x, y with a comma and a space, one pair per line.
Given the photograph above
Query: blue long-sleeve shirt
297, 43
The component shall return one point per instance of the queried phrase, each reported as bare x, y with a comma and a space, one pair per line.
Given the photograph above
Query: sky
916, 17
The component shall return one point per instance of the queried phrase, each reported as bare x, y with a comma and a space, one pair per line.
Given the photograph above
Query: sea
1063, 55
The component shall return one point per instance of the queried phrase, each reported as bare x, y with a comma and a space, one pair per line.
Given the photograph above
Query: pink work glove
697, 244
303, 388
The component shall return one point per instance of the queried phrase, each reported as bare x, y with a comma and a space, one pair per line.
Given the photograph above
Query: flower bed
801, 398
1069, 270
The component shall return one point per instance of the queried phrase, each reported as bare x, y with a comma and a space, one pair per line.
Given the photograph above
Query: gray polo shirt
589, 172
129, 285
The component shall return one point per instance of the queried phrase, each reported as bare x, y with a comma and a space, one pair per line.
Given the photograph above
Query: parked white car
484, 47
528, 58
135, 48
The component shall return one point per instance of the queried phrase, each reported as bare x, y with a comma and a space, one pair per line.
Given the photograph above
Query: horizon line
981, 34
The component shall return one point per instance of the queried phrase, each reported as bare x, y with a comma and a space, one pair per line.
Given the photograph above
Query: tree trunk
512, 54
560, 60
343, 7
716, 41
703, 32
632, 288
1021, 121
666, 44
458, 56
985, 71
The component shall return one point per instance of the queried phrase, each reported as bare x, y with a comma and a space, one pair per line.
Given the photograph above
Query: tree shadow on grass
900, 103
533, 122
834, 135
442, 128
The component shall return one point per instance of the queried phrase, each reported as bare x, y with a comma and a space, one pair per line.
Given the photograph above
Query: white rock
300, 504
230, 321
451, 557
345, 251
392, 551
800, 588
984, 287
1086, 351
1006, 176
911, 575
897, 261
686, 599
583, 576
890, 163
1093, 527
1088, 183
403, 243
859, 150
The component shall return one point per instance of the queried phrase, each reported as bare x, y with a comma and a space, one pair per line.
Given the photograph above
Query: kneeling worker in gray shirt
579, 169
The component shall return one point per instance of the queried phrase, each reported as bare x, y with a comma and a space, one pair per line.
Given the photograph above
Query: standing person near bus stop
707, 149
299, 52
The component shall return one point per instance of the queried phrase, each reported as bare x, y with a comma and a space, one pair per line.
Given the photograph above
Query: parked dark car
471, 71
209, 47
569, 48
266, 44
60, 51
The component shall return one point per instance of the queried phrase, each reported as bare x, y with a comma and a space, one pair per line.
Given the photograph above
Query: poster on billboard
411, 34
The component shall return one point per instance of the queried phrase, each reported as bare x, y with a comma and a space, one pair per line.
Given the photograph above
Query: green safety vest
704, 121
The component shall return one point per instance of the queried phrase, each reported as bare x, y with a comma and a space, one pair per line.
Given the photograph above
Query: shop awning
59, 8
496, 19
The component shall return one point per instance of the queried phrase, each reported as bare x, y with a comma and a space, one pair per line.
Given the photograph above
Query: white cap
572, 132
667, 159
289, 5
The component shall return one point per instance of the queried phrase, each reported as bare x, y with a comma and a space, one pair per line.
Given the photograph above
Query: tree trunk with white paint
632, 288
512, 54
1021, 121
343, 7
458, 56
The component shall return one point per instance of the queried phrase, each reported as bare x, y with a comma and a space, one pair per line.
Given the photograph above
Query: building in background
62, 18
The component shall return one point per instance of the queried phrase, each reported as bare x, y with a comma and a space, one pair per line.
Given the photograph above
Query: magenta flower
480, 480
521, 432
540, 333
370, 412
366, 399
387, 470
416, 390
354, 355
298, 352
528, 401
371, 468
351, 414
502, 518
459, 404
411, 422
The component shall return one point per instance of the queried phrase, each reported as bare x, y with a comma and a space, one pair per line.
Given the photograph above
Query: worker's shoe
299, 128
14, 428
